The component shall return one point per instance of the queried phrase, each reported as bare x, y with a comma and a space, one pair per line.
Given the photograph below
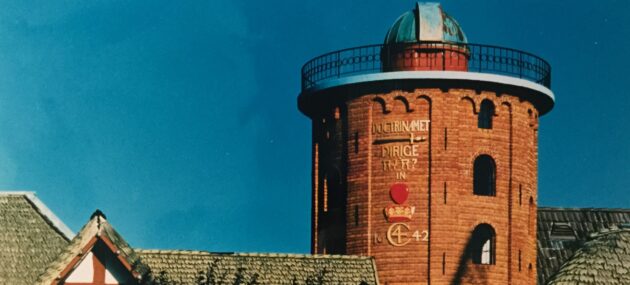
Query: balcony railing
426, 56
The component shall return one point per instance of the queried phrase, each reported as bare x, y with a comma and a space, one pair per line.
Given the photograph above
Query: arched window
486, 111
483, 245
484, 176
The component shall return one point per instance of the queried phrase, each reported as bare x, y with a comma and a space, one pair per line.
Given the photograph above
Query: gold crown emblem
399, 213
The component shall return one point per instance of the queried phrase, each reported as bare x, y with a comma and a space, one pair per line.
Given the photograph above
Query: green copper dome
427, 22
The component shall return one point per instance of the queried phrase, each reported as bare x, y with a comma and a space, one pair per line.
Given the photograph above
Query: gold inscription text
392, 127
399, 150
399, 234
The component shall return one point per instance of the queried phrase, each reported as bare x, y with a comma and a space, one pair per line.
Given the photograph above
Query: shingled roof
31, 236
605, 260
187, 267
562, 231
190, 267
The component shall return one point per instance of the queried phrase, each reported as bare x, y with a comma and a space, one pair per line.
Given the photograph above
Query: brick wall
354, 168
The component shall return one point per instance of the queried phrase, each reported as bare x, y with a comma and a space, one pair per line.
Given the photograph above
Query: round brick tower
425, 153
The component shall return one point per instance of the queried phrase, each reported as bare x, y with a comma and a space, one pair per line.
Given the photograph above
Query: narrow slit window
445, 193
445, 138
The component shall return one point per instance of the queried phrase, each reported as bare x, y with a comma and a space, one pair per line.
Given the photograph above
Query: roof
562, 231
427, 22
97, 228
603, 260
30, 237
186, 267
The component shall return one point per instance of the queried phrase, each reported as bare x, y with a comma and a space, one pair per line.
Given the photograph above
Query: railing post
480, 57
520, 65
338, 64
443, 57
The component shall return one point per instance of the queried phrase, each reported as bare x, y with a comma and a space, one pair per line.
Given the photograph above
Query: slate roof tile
30, 237
604, 260
554, 252
186, 267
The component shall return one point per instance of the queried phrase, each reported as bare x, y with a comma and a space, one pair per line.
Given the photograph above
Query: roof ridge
252, 254
15, 193
303, 255
589, 209
41, 208
607, 231
171, 251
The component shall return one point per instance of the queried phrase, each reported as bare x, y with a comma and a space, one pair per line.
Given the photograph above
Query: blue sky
179, 120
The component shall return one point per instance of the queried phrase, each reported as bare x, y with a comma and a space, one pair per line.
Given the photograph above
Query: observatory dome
426, 22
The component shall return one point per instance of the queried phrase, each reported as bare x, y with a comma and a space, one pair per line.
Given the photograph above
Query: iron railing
426, 56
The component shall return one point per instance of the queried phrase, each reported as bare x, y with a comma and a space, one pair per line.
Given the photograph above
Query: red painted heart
399, 192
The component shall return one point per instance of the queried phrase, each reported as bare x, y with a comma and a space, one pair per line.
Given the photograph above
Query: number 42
421, 235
